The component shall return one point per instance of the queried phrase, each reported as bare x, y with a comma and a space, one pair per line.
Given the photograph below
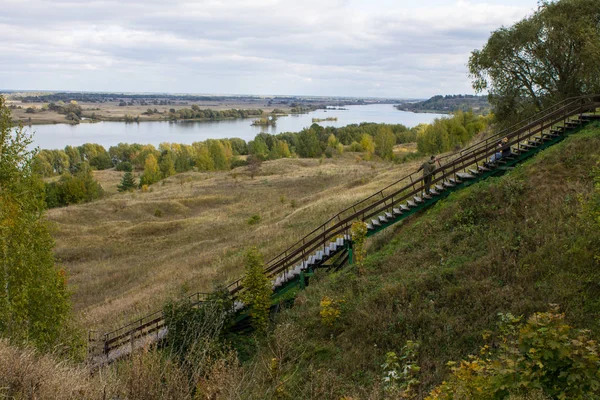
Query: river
107, 134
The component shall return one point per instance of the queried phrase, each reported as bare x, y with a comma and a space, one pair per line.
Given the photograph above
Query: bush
543, 353
72, 189
238, 162
124, 166
253, 220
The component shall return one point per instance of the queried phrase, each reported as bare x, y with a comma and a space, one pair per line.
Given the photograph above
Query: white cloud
339, 47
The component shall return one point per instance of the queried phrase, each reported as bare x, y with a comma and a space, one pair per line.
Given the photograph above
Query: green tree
258, 148
308, 144
167, 165
257, 290
385, 140
34, 302
217, 153
549, 56
152, 172
127, 182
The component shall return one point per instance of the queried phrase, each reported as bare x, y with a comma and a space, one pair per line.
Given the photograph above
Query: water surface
108, 134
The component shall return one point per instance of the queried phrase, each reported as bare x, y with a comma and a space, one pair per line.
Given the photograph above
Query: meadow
129, 252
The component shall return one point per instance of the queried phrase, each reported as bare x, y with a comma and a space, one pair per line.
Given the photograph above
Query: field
128, 253
112, 111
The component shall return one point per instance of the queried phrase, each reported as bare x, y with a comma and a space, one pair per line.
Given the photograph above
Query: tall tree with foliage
547, 57
34, 301
152, 172
257, 290
385, 140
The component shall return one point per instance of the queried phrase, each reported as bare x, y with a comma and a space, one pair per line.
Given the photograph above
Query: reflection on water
111, 133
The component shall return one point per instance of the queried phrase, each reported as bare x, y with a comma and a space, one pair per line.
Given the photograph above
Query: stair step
389, 215
439, 188
404, 208
483, 169
411, 203
382, 219
370, 227
464, 175
418, 200
527, 146
550, 135
428, 196
375, 222
397, 211
473, 172
448, 184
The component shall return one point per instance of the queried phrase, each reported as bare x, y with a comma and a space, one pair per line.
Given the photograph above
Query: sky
360, 48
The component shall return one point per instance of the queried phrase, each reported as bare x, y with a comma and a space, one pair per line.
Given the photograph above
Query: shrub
253, 220
329, 310
72, 189
543, 353
124, 166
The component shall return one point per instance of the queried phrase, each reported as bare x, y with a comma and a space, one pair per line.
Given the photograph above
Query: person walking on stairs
428, 168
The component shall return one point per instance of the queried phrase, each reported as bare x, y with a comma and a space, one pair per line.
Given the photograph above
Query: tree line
74, 165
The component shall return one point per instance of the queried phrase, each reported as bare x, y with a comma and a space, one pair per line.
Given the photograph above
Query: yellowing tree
366, 142
152, 172
34, 301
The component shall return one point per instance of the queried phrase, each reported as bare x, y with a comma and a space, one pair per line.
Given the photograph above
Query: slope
510, 244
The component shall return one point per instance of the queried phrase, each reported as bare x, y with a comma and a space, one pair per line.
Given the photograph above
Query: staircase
330, 245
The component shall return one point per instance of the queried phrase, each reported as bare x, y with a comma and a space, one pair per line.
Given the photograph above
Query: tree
308, 144
167, 165
127, 182
257, 290
152, 172
548, 57
34, 302
217, 153
385, 140
366, 142
204, 161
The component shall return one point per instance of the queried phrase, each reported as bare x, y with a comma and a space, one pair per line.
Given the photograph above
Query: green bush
543, 354
124, 166
253, 220
72, 189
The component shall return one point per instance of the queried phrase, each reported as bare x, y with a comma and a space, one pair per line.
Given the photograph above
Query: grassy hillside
128, 253
509, 244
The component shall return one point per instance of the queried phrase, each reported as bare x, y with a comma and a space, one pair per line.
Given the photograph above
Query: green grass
510, 244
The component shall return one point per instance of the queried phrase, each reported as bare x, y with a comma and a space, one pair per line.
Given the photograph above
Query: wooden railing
384, 200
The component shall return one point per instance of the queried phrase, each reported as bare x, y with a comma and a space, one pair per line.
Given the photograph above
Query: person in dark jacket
503, 150
428, 168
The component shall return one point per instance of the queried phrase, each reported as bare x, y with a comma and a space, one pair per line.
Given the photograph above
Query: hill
509, 244
128, 253
448, 104
513, 244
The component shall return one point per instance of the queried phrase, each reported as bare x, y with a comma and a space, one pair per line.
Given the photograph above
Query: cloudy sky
382, 48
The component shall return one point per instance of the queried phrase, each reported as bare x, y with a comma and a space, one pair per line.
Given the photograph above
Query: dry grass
24, 374
125, 261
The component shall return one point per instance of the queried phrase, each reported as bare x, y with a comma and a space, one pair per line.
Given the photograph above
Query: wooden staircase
330, 245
